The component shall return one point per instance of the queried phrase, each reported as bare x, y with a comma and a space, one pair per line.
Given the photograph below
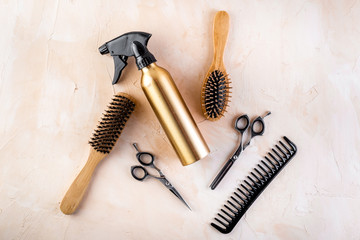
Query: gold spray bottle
162, 94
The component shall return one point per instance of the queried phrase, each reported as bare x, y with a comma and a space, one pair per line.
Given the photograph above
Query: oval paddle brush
102, 142
215, 92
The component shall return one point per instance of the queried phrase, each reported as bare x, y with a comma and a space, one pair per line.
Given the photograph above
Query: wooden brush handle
77, 189
221, 30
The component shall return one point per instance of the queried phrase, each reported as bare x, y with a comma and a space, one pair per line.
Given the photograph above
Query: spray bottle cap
127, 45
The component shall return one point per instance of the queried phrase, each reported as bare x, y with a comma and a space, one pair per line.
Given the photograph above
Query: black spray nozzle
122, 47
142, 55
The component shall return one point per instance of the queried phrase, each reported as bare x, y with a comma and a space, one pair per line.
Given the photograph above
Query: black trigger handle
120, 63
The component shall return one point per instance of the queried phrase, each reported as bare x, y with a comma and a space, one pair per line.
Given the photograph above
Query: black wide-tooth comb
248, 192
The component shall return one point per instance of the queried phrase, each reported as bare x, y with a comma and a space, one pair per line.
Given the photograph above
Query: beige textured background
298, 59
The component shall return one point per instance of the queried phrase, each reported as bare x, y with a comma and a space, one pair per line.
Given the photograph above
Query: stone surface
298, 59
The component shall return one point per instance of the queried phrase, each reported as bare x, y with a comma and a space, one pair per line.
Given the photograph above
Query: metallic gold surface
173, 114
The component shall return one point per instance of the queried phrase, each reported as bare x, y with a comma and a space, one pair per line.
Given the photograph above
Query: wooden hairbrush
102, 142
215, 91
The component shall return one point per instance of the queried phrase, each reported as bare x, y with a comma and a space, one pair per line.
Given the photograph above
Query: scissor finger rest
240, 125
257, 127
139, 173
145, 158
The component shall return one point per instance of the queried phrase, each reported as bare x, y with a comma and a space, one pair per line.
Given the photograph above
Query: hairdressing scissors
140, 173
242, 123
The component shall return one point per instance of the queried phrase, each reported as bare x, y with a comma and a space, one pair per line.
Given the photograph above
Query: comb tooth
256, 184
231, 210
273, 157
218, 226
276, 166
291, 144
284, 146
259, 181
235, 200
243, 193
266, 176
277, 154
220, 229
221, 222
226, 219
231, 217
248, 190
261, 175
284, 154
233, 205
250, 186
267, 166
238, 195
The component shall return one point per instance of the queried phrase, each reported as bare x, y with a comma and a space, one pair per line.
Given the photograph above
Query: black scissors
242, 123
140, 173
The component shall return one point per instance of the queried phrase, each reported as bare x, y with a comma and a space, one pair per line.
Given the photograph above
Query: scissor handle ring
242, 130
141, 154
133, 170
257, 133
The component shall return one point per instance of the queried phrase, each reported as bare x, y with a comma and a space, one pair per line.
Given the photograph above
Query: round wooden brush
102, 142
215, 92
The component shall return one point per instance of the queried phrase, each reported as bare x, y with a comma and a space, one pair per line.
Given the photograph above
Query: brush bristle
215, 95
112, 123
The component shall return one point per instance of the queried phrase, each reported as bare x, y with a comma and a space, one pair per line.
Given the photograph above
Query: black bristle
215, 94
112, 123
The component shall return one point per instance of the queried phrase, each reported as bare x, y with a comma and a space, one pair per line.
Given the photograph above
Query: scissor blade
177, 194
169, 186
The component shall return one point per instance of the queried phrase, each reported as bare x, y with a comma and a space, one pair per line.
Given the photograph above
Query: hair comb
254, 185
